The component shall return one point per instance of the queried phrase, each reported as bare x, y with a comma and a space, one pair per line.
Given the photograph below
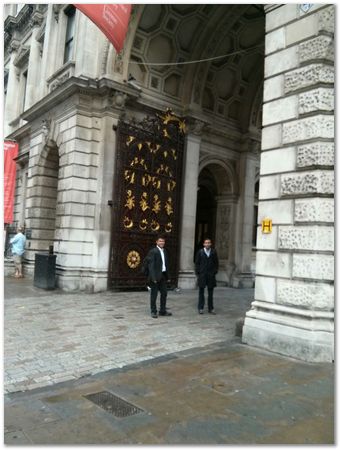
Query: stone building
257, 103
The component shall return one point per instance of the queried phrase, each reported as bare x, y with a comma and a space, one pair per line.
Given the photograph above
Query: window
24, 89
69, 41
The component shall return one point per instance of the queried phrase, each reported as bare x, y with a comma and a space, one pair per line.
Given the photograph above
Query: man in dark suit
158, 265
206, 267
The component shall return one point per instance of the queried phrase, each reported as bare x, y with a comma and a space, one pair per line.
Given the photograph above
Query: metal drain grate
113, 404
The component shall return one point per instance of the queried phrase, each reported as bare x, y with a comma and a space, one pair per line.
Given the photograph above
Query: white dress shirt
163, 258
207, 252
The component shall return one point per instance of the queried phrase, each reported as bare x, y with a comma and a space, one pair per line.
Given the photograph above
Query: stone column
11, 106
293, 311
34, 64
244, 229
187, 278
224, 241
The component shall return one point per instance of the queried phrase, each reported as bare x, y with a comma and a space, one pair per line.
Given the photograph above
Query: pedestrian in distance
157, 264
18, 243
206, 268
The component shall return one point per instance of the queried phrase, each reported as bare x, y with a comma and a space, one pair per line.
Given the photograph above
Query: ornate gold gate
147, 195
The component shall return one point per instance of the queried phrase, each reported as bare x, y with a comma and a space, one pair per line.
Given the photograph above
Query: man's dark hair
160, 237
207, 239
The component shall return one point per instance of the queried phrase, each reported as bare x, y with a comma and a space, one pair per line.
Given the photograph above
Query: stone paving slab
51, 337
223, 393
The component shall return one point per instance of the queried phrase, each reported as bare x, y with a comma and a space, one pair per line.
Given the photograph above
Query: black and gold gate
147, 195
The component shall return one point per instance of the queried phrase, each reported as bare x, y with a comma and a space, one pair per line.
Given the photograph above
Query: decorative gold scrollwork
169, 116
168, 207
143, 224
163, 169
130, 139
136, 161
153, 147
155, 225
168, 227
156, 204
171, 185
133, 259
147, 179
130, 200
128, 223
174, 155
144, 202
129, 176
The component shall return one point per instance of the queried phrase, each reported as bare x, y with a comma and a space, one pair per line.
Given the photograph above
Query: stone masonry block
66, 234
267, 241
321, 99
314, 210
280, 110
327, 19
78, 184
302, 29
51, 182
271, 137
308, 76
273, 88
280, 211
319, 126
265, 289
316, 296
317, 238
317, 267
273, 264
315, 154
321, 47
281, 61
75, 261
75, 248
269, 187
76, 196
276, 161
80, 158
76, 222
75, 209
302, 183
276, 40
281, 16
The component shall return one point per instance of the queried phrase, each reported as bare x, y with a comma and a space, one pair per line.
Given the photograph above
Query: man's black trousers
161, 287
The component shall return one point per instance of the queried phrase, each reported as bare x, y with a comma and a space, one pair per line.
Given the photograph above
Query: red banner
10, 152
113, 20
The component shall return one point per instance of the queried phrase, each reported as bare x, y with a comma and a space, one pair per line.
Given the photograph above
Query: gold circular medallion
133, 259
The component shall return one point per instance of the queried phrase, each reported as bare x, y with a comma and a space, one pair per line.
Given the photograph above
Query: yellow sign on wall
267, 226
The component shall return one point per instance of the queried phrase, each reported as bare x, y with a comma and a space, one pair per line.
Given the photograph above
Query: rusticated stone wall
293, 311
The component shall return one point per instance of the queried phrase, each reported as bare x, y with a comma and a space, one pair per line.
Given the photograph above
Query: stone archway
216, 212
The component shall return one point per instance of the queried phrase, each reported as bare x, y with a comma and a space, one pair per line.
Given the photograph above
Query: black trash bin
44, 270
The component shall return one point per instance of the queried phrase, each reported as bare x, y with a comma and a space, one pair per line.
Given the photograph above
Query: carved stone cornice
31, 15
22, 56
195, 125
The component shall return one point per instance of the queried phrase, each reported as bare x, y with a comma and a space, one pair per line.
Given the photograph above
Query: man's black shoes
154, 315
212, 312
166, 313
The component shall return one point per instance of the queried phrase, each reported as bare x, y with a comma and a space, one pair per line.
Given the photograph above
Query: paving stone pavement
51, 336
224, 393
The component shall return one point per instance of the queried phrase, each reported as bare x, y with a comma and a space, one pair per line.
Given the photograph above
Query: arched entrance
206, 208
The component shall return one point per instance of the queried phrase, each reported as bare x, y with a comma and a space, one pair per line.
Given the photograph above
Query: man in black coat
158, 269
206, 267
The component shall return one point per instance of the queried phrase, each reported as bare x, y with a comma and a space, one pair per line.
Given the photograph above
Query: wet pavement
52, 337
193, 381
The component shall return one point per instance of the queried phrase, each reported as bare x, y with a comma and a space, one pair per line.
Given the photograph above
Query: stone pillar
293, 311
243, 277
34, 73
224, 241
13, 89
187, 278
